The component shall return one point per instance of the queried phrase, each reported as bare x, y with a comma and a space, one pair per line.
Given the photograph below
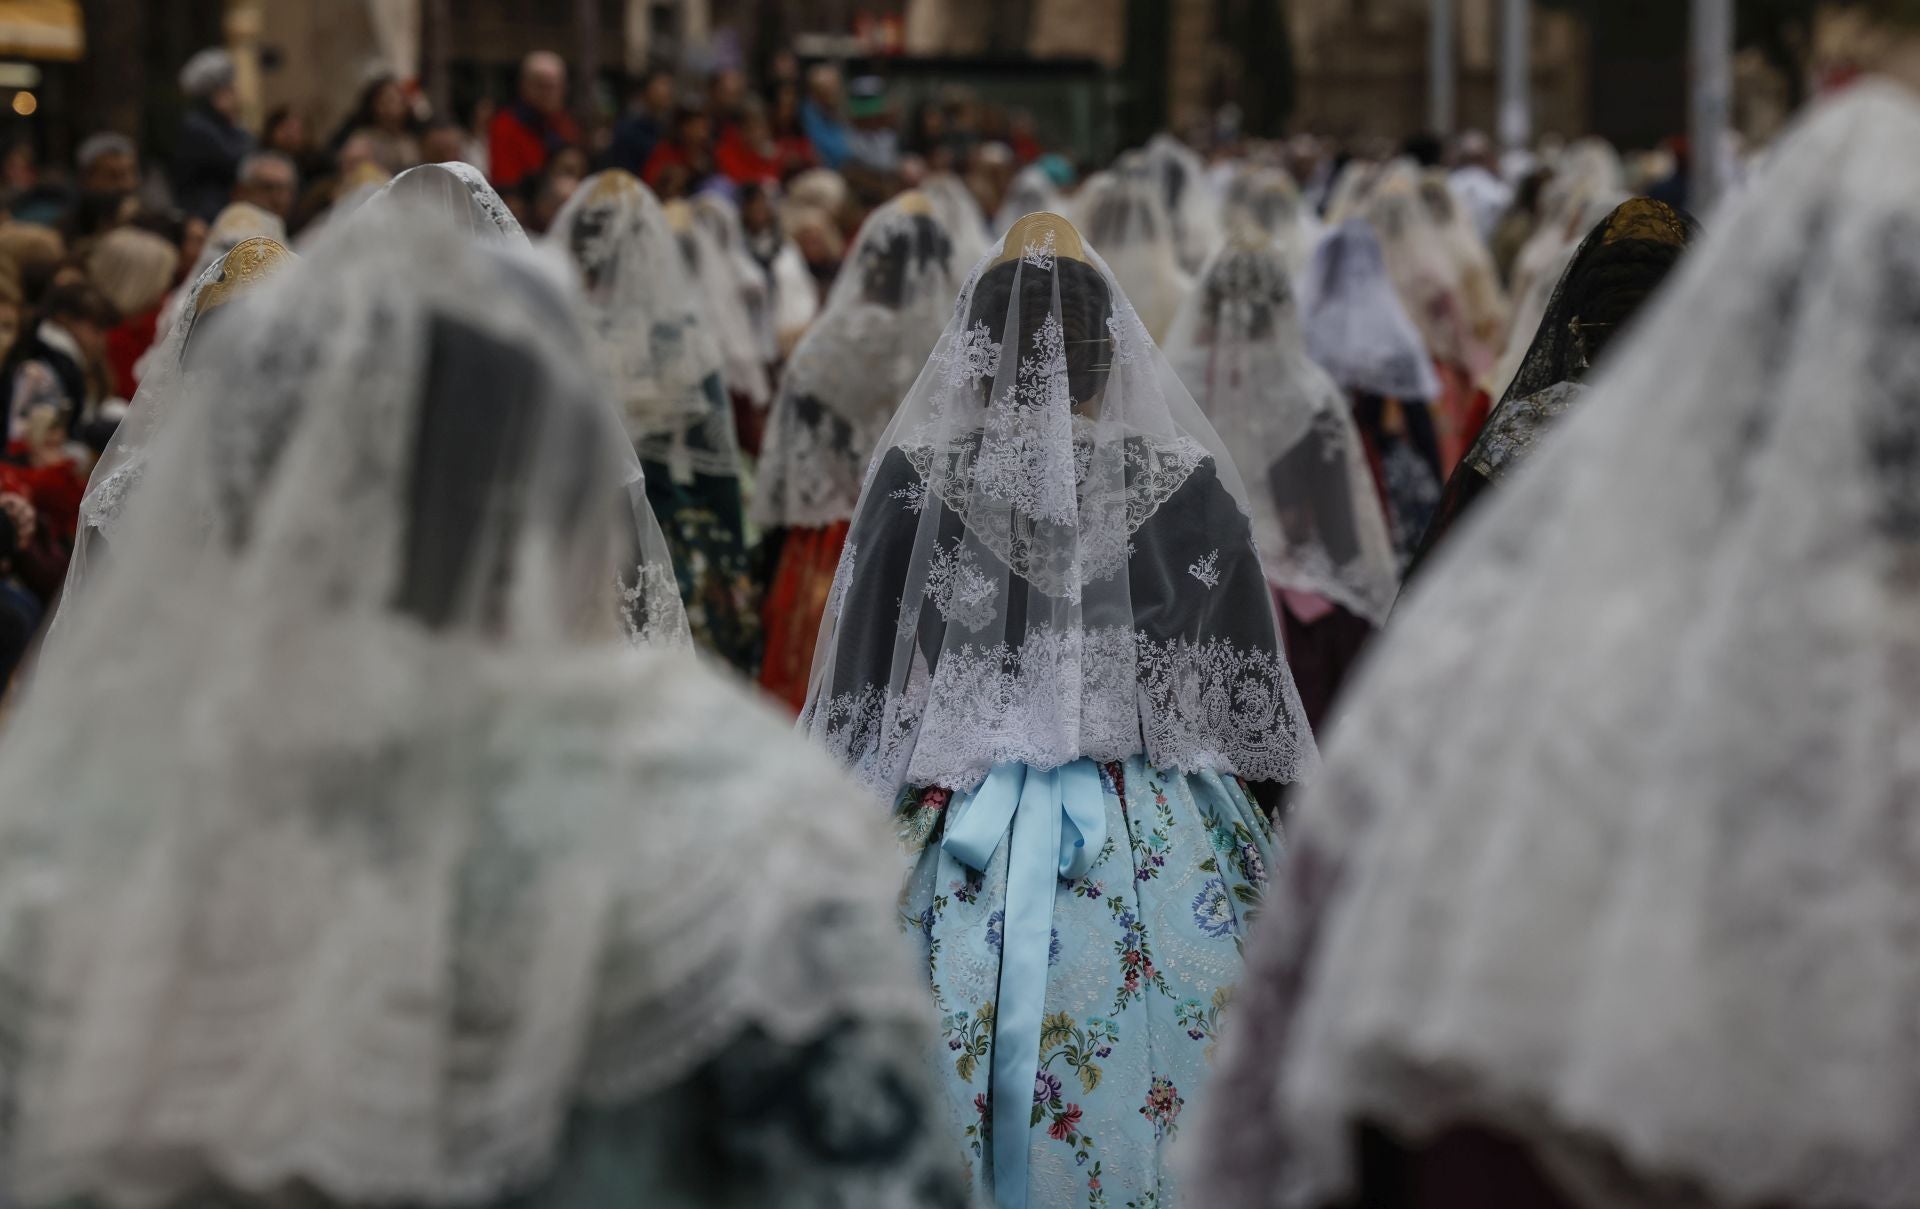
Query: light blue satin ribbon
1058, 824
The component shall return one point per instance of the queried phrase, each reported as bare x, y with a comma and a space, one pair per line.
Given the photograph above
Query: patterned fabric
701, 519
1145, 951
796, 601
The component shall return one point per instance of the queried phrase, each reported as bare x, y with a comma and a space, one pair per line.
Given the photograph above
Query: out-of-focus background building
1096, 73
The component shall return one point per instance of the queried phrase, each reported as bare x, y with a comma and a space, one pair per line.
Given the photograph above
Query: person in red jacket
746, 153
525, 134
683, 161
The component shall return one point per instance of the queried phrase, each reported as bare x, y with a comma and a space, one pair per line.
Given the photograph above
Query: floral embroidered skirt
702, 521
1144, 951
796, 602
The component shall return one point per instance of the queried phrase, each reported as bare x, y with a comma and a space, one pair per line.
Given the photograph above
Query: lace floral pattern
959, 590
1514, 429
971, 357
1191, 706
654, 615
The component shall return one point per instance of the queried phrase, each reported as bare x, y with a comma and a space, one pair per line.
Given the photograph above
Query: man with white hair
212, 143
269, 180
108, 163
526, 133
107, 170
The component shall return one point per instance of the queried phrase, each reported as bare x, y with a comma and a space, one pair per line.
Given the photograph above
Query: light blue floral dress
1143, 953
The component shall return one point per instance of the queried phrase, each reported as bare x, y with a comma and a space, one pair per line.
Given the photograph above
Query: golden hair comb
1043, 230
247, 265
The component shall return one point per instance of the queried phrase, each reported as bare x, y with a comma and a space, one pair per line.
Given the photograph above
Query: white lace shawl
1052, 557
1122, 213
853, 368
647, 324
1615, 847
1357, 328
1317, 516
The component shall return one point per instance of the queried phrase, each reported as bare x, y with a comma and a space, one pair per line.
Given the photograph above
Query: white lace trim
1100, 692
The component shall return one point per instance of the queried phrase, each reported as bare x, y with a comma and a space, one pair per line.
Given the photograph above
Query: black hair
1085, 307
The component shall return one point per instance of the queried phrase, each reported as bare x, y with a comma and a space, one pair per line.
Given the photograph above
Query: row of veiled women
369, 837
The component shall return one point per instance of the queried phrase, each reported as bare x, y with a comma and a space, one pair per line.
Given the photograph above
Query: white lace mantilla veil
1587, 175
1123, 214
959, 212
454, 189
1349, 191
1187, 194
1614, 850
1052, 557
886, 311
721, 218
401, 854
646, 323
1317, 516
1266, 199
233, 226
1421, 265
1484, 308
723, 308
162, 387
1358, 330
1031, 192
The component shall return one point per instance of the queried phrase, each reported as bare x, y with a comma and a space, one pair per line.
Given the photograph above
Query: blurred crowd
93, 258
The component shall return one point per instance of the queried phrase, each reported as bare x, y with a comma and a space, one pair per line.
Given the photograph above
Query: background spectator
385, 118
821, 115
108, 173
443, 141
33, 254
134, 269
525, 134
55, 370
269, 180
286, 131
746, 152
212, 143
684, 158
644, 125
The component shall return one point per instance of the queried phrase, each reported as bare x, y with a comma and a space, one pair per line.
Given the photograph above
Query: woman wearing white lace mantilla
1607, 898
1317, 516
166, 381
888, 307
1051, 649
408, 881
1122, 212
648, 330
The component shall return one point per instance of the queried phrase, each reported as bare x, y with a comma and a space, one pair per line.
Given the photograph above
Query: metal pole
1516, 72
1440, 68
1712, 101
